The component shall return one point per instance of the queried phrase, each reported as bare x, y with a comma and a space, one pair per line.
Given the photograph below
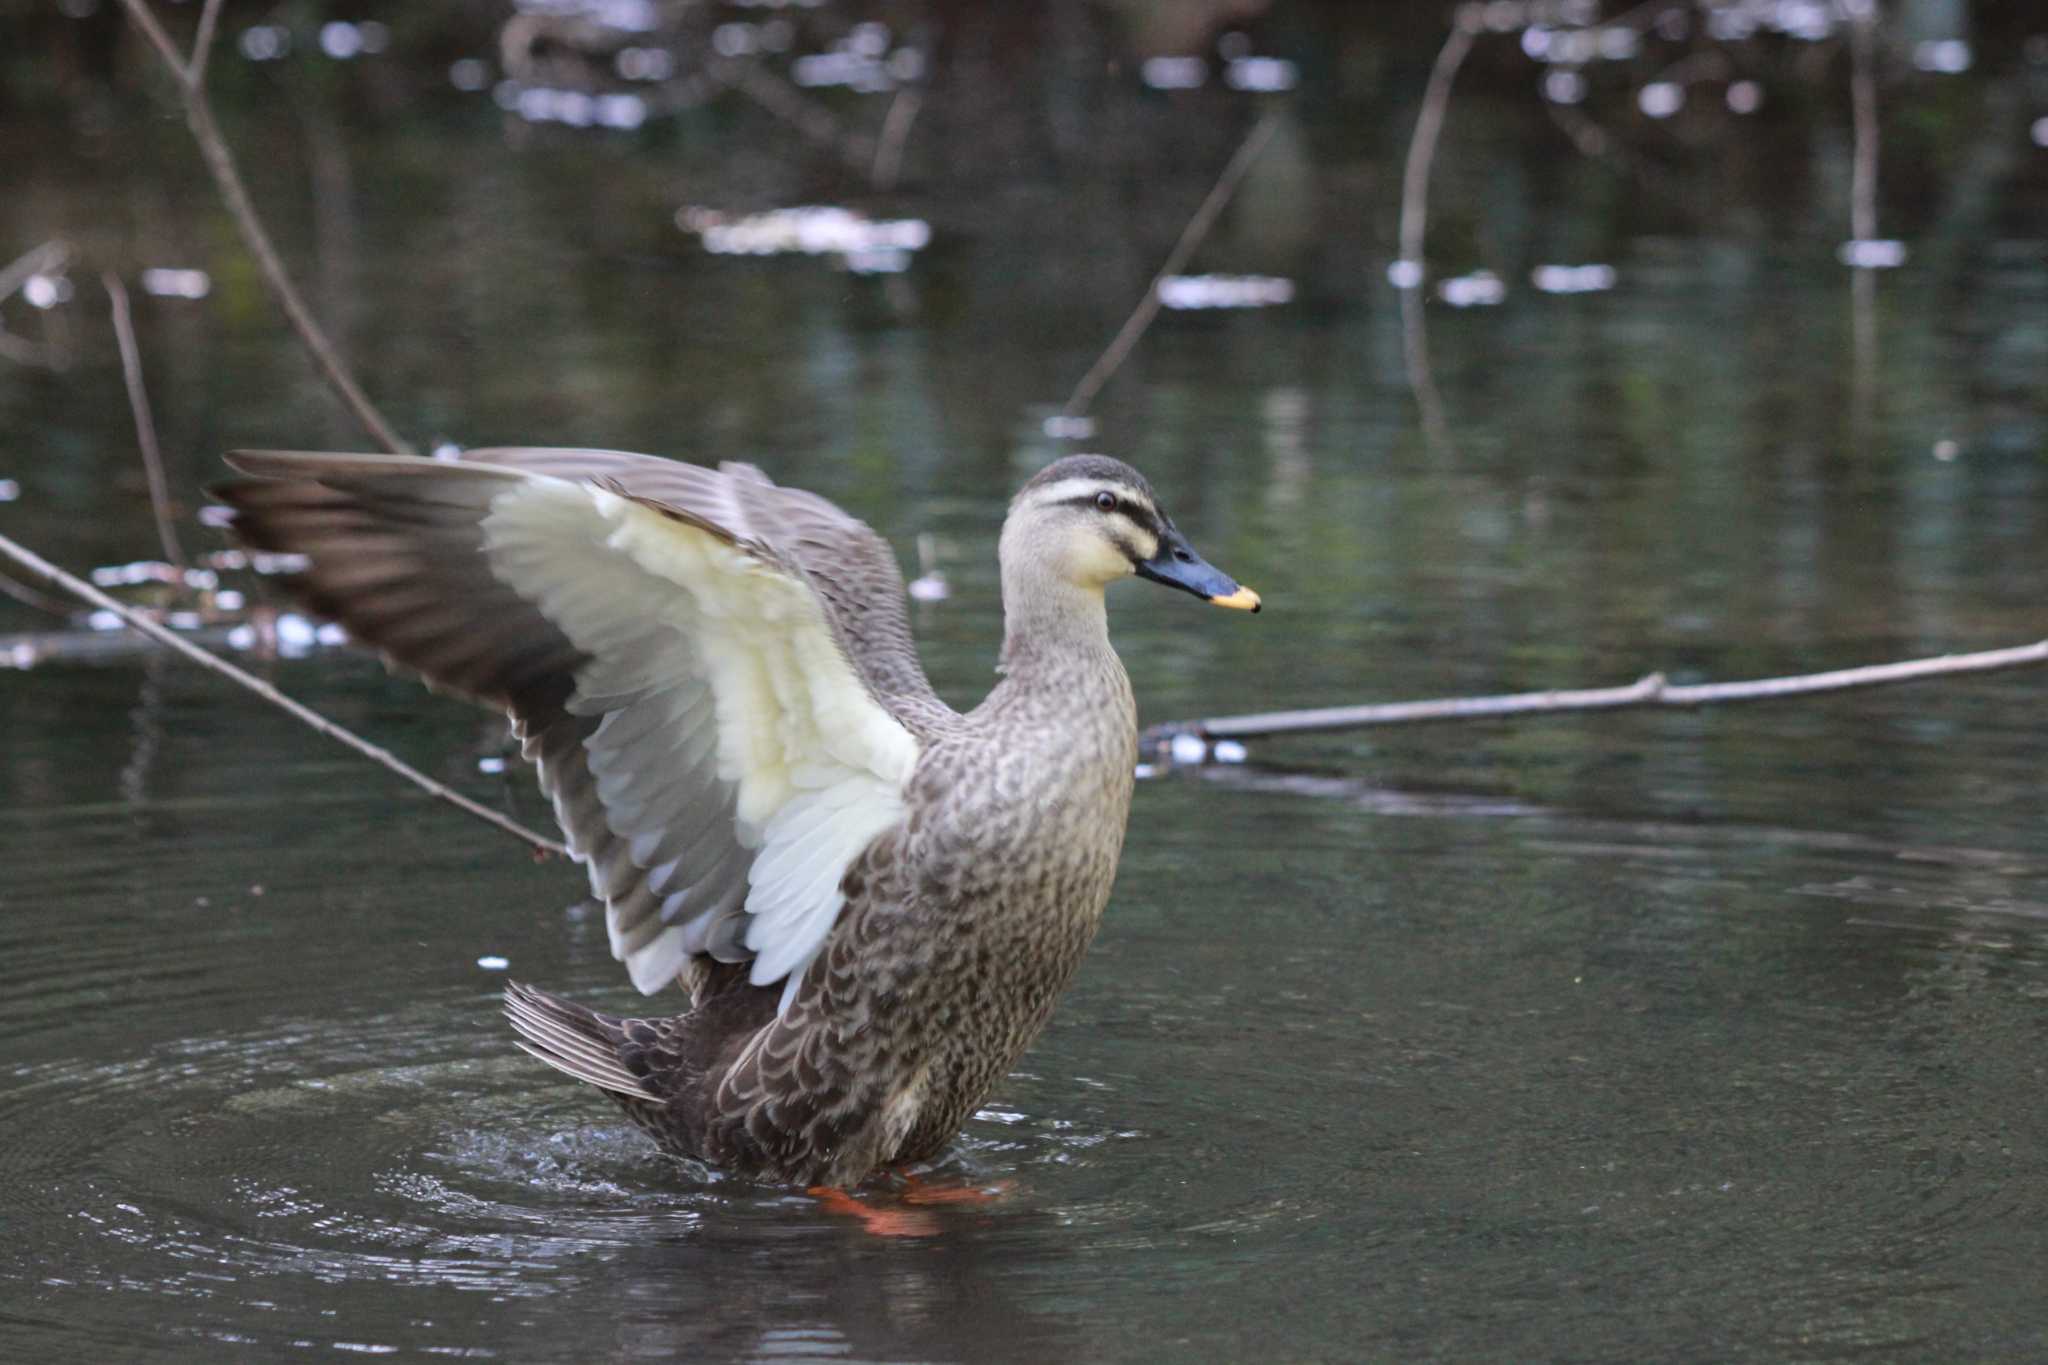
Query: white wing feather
703, 654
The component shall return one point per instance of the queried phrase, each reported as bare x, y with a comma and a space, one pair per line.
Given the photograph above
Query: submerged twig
1651, 690
1190, 239
297, 710
190, 76
145, 426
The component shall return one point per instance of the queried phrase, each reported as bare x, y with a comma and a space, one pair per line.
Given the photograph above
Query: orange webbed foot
917, 1190
880, 1222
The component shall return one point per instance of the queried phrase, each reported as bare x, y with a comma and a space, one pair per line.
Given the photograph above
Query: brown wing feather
396, 555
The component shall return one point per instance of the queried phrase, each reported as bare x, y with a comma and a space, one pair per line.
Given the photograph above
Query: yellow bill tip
1244, 599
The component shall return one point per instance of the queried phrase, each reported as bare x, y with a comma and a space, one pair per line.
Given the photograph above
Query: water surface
1710, 1035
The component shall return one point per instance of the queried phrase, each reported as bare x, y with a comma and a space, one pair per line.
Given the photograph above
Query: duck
869, 901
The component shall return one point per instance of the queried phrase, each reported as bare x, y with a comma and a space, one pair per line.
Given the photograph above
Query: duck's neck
1051, 626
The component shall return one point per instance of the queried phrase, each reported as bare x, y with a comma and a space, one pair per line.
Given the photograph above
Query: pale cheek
1096, 562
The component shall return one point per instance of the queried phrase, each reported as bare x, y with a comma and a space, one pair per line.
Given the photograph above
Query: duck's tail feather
574, 1040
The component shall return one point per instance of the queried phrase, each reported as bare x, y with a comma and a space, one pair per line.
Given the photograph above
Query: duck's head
1090, 520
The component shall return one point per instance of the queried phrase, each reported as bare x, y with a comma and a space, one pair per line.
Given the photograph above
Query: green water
1693, 1035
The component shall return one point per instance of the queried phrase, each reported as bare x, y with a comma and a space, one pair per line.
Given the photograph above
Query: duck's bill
1178, 566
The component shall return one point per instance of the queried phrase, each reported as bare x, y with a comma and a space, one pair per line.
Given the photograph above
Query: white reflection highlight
1877, 253
168, 283
1224, 291
1480, 289
1943, 56
1174, 73
46, 291
1261, 74
866, 246
1573, 279
1661, 99
265, 42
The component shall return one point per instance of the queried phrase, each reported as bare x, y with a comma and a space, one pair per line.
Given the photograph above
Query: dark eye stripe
1137, 512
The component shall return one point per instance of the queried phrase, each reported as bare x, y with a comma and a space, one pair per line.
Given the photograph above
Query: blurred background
1590, 1036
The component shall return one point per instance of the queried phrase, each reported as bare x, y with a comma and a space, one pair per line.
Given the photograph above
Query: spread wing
712, 712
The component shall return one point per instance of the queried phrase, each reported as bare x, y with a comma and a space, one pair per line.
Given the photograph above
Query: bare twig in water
190, 76
1652, 690
1429, 125
202, 44
297, 710
1176, 260
41, 260
1863, 205
145, 425
1863, 96
29, 597
895, 130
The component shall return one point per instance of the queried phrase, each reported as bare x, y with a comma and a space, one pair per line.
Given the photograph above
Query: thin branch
202, 45
298, 711
221, 163
29, 597
1429, 126
1862, 16
895, 130
1652, 690
41, 260
1863, 96
145, 425
160, 40
793, 107
1190, 239
1429, 123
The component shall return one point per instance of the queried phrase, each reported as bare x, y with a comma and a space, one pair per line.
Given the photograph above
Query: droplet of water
490, 962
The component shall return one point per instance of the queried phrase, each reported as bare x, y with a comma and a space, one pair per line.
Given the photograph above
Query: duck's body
873, 901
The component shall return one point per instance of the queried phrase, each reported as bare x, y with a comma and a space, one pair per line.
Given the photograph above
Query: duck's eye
1106, 501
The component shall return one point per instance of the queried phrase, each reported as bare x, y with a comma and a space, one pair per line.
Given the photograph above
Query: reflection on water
1613, 1037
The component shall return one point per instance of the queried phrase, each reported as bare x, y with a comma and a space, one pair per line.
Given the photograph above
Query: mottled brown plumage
873, 901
